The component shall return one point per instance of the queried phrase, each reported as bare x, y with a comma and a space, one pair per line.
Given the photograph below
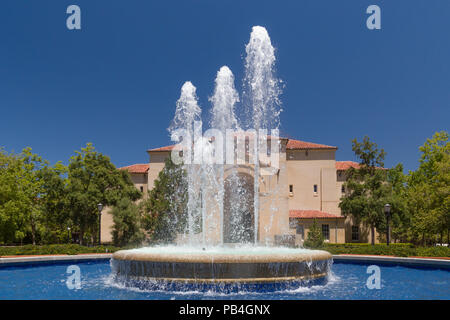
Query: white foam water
261, 98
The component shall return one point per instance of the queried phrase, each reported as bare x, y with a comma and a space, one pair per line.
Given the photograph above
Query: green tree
127, 223
397, 197
20, 193
315, 238
32, 188
429, 189
93, 179
53, 201
165, 209
10, 204
366, 187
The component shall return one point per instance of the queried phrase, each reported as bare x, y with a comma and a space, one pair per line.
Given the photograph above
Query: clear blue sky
115, 82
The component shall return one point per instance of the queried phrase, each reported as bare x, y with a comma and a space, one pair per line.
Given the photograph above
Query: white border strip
404, 261
38, 259
437, 263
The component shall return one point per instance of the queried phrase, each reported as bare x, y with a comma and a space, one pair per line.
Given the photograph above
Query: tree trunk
81, 236
372, 229
33, 231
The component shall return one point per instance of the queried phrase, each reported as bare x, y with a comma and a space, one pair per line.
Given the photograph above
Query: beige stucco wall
300, 168
337, 230
107, 225
274, 206
306, 169
140, 180
364, 231
156, 165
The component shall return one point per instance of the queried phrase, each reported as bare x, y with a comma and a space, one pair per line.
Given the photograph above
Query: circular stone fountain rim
209, 257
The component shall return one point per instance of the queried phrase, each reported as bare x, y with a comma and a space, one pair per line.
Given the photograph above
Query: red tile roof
162, 149
291, 145
302, 145
136, 168
345, 165
311, 214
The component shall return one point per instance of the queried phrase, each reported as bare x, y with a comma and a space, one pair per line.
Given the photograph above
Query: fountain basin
223, 265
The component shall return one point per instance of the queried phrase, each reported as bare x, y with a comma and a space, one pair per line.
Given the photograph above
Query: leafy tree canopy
366, 187
93, 179
127, 224
166, 206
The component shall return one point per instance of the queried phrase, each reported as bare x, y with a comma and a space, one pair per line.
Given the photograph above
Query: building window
326, 231
293, 223
142, 189
306, 153
355, 233
300, 231
291, 188
343, 189
180, 154
315, 188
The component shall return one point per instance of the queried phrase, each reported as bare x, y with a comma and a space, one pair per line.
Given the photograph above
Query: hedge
395, 249
70, 249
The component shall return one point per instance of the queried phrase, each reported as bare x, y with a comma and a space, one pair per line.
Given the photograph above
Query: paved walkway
20, 260
437, 262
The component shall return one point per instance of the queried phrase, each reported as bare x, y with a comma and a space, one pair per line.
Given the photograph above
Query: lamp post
100, 208
387, 212
68, 234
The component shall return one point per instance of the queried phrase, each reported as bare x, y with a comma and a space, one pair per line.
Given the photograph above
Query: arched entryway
238, 224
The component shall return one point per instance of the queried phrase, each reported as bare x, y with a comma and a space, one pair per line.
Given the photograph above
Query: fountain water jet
222, 118
261, 91
187, 114
209, 260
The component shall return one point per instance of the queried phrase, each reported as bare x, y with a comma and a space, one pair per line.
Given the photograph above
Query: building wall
140, 180
307, 168
273, 195
364, 231
337, 231
156, 165
107, 225
300, 168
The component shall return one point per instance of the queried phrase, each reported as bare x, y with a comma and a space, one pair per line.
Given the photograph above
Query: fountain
231, 234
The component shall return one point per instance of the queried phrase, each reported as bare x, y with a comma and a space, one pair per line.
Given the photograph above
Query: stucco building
307, 187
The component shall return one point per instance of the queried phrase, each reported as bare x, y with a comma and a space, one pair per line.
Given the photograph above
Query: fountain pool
224, 198
242, 264
345, 281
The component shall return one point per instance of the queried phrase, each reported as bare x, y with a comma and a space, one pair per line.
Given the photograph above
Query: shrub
395, 249
127, 224
314, 238
70, 249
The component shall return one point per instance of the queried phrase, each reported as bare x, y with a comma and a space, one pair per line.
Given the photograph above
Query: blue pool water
347, 281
